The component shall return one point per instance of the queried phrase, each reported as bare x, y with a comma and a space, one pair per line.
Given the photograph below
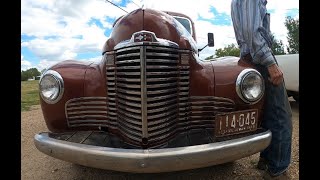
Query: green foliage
210, 57
277, 46
29, 73
293, 35
230, 50
29, 94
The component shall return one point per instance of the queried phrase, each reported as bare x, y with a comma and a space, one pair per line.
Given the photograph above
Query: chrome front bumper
153, 160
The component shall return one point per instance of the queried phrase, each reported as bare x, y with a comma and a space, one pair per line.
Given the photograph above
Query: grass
29, 94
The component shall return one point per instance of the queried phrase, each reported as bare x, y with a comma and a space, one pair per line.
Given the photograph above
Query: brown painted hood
155, 21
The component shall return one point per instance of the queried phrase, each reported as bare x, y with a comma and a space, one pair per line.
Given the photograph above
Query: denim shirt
251, 24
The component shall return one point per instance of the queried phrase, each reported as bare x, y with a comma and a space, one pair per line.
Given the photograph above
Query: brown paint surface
83, 79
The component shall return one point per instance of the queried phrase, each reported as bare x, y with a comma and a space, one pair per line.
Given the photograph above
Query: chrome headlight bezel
60, 84
239, 82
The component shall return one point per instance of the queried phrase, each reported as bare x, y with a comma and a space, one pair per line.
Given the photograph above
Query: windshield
185, 22
183, 32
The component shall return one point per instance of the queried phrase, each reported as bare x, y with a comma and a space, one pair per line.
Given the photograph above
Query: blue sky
51, 31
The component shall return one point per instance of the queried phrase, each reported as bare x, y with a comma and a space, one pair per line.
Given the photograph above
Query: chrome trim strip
126, 93
131, 129
163, 49
128, 55
210, 98
88, 98
112, 118
112, 113
168, 113
162, 103
144, 113
136, 86
85, 103
86, 107
88, 121
153, 160
87, 116
155, 123
211, 103
137, 105
128, 67
129, 79
173, 61
163, 73
125, 132
162, 79
168, 123
168, 107
132, 121
162, 54
160, 67
167, 130
130, 48
81, 125
126, 97
162, 85
161, 97
209, 108
175, 90
85, 111
128, 73
128, 61
129, 114
123, 107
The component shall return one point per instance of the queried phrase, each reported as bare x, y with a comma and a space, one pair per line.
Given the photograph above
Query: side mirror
210, 40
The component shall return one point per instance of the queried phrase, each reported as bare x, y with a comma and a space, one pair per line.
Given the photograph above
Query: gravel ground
36, 165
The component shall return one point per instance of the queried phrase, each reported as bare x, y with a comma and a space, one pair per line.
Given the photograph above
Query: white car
289, 64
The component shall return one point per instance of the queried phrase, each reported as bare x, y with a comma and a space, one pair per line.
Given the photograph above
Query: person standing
251, 24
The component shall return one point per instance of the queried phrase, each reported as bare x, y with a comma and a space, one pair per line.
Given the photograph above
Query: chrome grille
162, 81
111, 98
128, 89
204, 109
87, 111
147, 83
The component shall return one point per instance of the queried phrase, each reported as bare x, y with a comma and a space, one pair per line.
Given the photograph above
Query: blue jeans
277, 117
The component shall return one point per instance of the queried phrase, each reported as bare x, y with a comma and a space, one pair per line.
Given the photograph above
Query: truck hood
162, 24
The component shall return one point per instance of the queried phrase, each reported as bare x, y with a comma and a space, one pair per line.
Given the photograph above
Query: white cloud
63, 20
25, 64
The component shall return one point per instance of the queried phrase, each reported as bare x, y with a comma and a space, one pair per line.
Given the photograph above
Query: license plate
236, 122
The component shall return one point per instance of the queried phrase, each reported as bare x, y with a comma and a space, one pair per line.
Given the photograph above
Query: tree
293, 35
24, 76
30, 73
230, 50
277, 46
210, 57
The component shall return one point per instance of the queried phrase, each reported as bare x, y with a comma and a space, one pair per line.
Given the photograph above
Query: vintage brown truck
151, 105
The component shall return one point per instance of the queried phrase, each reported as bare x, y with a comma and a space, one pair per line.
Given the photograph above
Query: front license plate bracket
237, 122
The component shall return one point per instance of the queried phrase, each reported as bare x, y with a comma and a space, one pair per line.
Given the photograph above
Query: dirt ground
36, 165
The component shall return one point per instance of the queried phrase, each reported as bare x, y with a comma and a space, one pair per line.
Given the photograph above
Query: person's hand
276, 75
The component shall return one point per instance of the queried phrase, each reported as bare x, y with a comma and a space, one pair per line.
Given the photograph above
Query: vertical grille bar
144, 112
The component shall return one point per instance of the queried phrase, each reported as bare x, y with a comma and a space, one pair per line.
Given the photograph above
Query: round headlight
51, 87
250, 86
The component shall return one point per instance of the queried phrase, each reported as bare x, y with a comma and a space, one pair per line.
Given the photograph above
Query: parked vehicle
289, 64
151, 105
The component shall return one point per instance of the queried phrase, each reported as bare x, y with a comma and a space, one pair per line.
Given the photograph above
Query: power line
135, 3
117, 6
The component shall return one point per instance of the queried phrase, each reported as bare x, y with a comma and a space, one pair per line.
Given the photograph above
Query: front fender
73, 74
